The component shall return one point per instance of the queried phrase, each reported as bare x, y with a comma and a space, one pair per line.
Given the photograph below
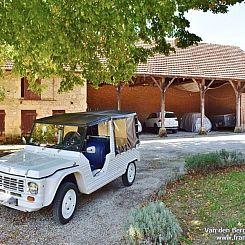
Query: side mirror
91, 149
24, 140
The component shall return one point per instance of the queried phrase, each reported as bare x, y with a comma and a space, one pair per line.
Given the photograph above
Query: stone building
21, 106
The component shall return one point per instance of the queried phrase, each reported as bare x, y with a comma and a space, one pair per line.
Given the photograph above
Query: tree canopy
98, 37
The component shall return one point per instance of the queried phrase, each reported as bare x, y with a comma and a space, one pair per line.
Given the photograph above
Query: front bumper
14, 193
19, 203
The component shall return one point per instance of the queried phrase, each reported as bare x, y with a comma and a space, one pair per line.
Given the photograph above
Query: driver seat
102, 148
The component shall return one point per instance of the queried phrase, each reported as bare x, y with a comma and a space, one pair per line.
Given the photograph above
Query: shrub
231, 158
202, 162
207, 162
152, 224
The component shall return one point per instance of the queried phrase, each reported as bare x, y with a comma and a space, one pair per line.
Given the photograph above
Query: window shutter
26, 93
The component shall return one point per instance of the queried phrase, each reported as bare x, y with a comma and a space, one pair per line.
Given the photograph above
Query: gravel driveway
101, 215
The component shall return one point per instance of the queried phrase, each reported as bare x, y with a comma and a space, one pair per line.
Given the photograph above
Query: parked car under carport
191, 122
223, 121
153, 121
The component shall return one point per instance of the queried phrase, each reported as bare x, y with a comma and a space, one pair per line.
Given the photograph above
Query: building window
27, 118
22, 87
27, 94
2, 122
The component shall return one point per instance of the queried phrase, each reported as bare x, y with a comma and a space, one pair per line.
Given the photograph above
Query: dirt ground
100, 216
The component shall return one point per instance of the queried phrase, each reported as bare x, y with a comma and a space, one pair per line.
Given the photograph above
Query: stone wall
146, 99
143, 99
72, 101
221, 100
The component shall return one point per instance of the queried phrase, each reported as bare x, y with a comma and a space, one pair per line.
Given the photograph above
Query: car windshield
167, 114
57, 136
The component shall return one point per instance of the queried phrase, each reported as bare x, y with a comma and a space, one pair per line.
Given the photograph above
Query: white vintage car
153, 121
67, 154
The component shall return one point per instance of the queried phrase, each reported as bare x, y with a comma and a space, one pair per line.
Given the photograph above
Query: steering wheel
72, 139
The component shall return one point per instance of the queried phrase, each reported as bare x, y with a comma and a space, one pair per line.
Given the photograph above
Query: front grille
11, 184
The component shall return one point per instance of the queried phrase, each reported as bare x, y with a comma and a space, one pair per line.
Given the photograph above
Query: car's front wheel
65, 203
155, 129
129, 176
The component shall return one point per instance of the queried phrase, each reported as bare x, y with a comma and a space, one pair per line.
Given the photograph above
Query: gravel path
100, 216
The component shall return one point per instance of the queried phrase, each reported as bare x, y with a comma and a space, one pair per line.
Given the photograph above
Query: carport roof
209, 61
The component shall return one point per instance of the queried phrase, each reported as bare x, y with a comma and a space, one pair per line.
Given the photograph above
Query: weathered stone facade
13, 104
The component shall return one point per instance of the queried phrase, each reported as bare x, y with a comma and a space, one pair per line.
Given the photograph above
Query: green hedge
208, 162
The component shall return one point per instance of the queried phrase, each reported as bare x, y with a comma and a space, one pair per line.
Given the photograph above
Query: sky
228, 29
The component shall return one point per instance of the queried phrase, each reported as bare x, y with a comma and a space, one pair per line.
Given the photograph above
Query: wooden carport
205, 65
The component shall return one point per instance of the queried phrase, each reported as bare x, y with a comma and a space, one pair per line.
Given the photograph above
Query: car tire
65, 203
129, 176
155, 129
214, 128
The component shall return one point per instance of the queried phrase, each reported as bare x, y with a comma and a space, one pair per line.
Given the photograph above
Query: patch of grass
201, 202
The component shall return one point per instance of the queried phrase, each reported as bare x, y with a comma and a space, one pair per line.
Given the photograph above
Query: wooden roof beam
191, 77
202, 86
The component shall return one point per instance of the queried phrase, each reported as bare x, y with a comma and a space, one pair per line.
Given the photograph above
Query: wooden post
163, 86
202, 107
238, 109
118, 89
238, 89
203, 89
162, 129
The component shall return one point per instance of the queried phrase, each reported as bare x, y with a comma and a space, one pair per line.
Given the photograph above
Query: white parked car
67, 154
153, 121
139, 127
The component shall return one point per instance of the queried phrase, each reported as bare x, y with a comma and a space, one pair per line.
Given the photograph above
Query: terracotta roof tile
200, 61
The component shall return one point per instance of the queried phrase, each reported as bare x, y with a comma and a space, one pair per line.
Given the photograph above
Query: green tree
98, 37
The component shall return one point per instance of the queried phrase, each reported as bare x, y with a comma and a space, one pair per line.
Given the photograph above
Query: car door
147, 121
151, 120
171, 120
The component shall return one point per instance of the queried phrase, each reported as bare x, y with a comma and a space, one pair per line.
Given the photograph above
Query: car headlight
33, 188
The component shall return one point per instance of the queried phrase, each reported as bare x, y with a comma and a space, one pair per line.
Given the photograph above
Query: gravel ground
100, 216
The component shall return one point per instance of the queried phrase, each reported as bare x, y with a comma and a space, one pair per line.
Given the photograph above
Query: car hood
38, 162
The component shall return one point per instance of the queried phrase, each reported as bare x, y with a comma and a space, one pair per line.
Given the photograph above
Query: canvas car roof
84, 118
